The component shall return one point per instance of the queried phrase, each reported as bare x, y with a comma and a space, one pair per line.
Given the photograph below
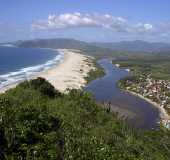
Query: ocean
18, 64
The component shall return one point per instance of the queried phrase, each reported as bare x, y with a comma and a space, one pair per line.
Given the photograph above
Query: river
138, 112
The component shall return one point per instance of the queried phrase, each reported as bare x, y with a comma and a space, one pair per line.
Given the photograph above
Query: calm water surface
140, 113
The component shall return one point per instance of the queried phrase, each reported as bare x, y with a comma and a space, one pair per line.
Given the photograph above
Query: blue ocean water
18, 64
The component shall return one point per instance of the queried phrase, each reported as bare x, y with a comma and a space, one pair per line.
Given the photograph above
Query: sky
86, 20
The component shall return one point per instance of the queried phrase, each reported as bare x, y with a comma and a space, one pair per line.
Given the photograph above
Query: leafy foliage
43, 86
157, 66
97, 72
38, 124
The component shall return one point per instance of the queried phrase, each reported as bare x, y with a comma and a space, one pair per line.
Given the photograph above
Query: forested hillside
38, 122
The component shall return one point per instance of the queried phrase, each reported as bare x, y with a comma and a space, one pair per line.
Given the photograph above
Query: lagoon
138, 112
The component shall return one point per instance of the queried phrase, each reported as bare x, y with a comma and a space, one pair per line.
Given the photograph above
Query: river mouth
137, 112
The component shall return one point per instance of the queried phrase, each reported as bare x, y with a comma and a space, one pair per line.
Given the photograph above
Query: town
157, 91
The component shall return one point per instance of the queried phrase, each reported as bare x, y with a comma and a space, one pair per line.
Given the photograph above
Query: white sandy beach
69, 73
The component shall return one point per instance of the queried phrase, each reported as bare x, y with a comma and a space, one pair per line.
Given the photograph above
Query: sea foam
28, 72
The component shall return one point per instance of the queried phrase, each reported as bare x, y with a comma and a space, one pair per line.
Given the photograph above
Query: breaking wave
28, 72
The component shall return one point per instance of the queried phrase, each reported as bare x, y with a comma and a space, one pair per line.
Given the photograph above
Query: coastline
164, 116
68, 73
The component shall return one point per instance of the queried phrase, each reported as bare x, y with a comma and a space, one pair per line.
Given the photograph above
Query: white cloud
143, 28
148, 26
70, 20
107, 21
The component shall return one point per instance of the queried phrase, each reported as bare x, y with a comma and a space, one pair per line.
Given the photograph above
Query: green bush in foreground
37, 122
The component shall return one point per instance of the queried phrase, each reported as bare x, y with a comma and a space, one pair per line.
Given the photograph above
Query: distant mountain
61, 43
54, 43
136, 46
123, 48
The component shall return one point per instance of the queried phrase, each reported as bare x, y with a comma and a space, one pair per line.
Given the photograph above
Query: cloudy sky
88, 20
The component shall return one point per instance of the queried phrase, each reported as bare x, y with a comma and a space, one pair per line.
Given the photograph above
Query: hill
54, 43
136, 46
38, 122
101, 50
61, 43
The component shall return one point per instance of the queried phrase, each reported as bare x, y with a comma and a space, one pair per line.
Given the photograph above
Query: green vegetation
94, 73
157, 66
37, 122
150, 78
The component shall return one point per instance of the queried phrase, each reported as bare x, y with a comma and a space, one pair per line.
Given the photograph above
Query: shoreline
68, 73
71, 72
164, 116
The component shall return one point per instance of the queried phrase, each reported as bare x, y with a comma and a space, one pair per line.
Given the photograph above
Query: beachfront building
156, 90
